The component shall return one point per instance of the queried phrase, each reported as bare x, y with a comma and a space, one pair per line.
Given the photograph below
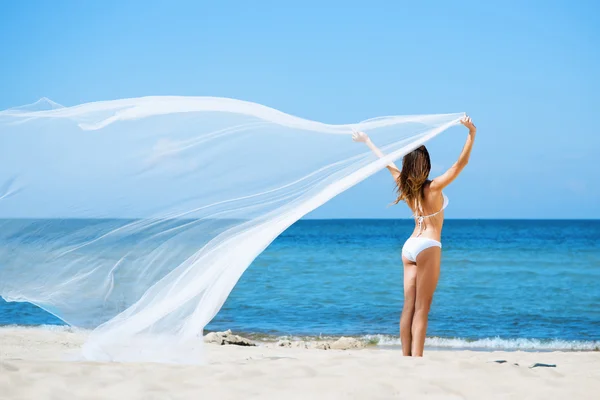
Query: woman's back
429, 217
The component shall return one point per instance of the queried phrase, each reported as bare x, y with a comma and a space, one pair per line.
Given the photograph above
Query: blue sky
528, 74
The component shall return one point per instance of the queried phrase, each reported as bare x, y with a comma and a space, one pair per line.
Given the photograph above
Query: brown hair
413, 176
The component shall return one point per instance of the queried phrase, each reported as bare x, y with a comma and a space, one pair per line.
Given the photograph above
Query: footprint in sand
8, 367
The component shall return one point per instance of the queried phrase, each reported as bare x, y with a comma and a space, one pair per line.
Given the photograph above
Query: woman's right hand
466, 121
439, 183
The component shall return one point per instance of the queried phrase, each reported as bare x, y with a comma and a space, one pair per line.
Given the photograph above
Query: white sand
30, 368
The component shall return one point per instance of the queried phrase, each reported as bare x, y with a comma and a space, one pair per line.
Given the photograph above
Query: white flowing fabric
137, 217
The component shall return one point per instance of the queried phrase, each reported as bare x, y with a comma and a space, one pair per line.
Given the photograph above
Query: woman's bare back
432, 211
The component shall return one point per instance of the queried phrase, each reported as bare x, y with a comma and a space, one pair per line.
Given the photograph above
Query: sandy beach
32, 366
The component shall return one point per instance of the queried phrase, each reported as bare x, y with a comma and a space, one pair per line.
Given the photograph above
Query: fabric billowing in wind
136, 217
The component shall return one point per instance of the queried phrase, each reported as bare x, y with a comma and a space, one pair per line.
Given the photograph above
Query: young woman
421, 253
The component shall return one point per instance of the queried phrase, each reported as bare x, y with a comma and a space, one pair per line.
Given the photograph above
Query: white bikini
414, 245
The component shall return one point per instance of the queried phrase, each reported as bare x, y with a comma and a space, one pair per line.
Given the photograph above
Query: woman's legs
406, 320
428, 272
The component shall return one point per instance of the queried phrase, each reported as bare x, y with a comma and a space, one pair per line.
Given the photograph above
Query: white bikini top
422, 217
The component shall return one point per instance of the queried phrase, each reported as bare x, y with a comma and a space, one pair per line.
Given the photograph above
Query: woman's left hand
360, 137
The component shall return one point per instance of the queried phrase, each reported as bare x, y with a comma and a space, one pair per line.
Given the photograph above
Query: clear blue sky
529, 74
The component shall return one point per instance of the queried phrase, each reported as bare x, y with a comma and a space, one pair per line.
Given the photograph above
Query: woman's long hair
415, 173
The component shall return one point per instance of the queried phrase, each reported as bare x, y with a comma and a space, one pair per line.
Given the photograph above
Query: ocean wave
495, 343
486, 344
381, 340
52, 328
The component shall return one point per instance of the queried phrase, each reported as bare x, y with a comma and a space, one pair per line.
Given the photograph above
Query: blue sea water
506, 284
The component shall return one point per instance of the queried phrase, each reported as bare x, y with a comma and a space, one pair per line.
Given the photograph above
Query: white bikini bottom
415, 245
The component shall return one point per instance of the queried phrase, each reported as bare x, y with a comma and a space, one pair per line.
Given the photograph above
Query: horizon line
313, 219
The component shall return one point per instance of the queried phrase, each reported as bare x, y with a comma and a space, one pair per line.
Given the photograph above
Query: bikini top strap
446, 201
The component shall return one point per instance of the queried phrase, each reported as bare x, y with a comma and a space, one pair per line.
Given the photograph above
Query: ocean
504, 284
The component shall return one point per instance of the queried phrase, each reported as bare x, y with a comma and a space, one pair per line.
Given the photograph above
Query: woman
421, 253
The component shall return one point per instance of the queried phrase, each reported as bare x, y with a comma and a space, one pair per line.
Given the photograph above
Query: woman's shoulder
429, 194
